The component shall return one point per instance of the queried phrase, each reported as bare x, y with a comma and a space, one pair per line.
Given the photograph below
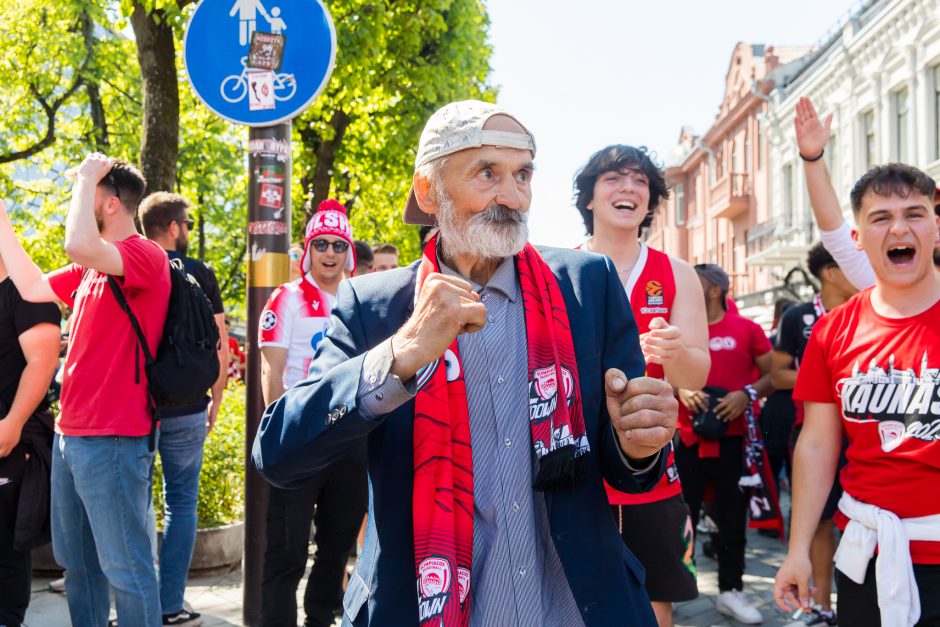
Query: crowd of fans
397, 406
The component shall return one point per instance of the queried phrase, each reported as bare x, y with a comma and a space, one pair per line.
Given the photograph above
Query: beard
182, 245
495, 233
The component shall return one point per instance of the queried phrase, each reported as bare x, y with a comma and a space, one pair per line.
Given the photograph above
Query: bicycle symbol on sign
235, 87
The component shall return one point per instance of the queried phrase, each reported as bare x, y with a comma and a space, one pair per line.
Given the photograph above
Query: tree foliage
71, 72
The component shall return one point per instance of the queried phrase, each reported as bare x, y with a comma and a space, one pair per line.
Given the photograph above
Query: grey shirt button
379, 396
522, 571
500, 380
507, 442
491, 319
515, 506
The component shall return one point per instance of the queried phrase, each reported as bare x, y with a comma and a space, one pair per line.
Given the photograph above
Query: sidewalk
219, 598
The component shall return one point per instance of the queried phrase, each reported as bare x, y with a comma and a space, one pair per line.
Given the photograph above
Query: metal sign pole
269, 235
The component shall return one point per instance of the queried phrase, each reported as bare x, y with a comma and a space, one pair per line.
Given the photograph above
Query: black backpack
187, 361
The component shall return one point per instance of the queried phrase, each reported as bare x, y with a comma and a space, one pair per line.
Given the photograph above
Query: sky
583, 75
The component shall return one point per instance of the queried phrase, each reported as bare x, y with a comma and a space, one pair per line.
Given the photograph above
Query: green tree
397, 62
76, 80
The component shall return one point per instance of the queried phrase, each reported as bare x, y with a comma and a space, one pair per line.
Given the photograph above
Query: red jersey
651, 289
99, 394
734, 343
884, 374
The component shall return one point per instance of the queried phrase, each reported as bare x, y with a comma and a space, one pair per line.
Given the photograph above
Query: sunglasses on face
320, 245
189, 222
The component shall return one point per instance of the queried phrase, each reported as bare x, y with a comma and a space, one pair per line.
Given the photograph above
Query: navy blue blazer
317, 420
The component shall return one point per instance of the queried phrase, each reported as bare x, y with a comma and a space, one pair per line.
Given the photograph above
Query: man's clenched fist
447, 306
643, 412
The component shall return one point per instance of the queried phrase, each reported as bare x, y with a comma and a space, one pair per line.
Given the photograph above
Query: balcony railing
729, 196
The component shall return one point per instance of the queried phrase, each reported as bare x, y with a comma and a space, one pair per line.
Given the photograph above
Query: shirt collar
504, 279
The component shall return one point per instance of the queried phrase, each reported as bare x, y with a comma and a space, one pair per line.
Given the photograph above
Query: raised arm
29, 280
812, 137
83, 242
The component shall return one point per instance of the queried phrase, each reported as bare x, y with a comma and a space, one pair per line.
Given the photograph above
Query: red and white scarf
443, 464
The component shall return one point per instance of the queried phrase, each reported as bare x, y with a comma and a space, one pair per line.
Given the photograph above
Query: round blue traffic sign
259, 62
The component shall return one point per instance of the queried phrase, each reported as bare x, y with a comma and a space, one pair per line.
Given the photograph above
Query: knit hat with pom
330, 219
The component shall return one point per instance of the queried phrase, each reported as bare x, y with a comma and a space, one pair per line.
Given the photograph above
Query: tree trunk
159, 145
99, 132
317, 184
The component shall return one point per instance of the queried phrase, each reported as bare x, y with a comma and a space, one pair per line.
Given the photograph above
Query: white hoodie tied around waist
871, 526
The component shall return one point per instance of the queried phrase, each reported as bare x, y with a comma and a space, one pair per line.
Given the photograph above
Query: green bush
222, 482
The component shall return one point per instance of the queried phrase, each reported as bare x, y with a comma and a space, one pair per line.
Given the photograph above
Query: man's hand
694, 400
95, 167
643, 412
812, 137
10, 432
447, 306
662, 343
213, 416
791, 585
732, 405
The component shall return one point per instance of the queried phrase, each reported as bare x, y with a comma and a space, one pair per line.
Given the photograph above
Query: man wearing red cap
293, 322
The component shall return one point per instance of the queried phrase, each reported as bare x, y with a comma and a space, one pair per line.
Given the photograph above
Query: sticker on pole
259, 62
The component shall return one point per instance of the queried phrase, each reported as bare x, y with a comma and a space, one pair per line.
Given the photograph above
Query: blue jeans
180, 444
100, 499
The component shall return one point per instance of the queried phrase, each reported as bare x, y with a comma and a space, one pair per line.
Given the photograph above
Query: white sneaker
733, 603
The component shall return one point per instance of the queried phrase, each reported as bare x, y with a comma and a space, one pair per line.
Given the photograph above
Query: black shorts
858, 604
660, 535
832, 501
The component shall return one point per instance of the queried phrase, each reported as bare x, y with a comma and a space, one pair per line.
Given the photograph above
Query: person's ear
855, 238
173, 230
425, 194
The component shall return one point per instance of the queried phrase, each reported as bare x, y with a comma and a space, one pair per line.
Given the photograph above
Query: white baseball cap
458, 126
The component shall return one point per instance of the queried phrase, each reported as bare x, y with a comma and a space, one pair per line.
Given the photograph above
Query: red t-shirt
884, 373
99, 394
734, 343
651, 289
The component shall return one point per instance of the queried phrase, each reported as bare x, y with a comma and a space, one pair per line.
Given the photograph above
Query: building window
788, 182
868, 139
902, 120
936, 112
680, 205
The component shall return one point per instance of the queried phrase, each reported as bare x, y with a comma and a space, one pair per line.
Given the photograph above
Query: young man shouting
871, 370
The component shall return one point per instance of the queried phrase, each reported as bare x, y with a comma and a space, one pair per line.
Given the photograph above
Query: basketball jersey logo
654, 294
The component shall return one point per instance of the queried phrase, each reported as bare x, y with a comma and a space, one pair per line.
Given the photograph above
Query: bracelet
751, 392
816, 158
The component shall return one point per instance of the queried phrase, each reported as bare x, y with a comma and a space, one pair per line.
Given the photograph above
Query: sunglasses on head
109, 181
320, 245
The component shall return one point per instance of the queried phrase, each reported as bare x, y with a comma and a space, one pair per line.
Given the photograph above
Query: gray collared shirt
517, 577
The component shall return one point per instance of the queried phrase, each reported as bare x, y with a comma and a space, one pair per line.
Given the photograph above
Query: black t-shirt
794, 330
16, 317
205, 277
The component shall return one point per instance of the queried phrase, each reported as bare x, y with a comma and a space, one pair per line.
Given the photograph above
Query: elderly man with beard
486, 492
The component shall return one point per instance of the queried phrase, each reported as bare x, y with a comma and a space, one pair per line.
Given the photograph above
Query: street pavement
219, 597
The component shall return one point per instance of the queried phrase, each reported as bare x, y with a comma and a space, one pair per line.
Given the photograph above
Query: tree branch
50, 110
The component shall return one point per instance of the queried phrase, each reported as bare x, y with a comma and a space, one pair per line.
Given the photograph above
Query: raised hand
643, 412
447, 306
812, 136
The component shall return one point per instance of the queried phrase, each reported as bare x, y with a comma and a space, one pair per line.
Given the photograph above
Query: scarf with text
757, 480
443, 464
